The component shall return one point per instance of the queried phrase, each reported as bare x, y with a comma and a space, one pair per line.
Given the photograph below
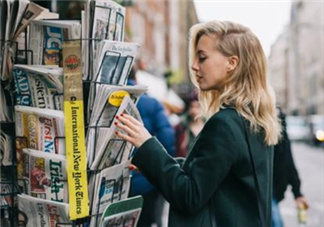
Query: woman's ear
232, 63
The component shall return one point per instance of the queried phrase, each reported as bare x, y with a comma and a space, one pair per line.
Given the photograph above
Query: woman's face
209, 65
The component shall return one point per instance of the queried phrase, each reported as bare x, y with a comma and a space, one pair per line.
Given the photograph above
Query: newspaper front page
45, 175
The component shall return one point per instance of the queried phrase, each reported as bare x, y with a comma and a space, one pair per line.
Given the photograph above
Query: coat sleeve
293, 177
188, 191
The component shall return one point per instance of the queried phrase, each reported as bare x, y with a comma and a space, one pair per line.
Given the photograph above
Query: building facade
161, 28
296, 62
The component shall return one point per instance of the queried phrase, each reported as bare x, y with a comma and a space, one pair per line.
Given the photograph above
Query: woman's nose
194, 65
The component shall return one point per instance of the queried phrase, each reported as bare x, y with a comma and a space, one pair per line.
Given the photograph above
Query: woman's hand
133, 130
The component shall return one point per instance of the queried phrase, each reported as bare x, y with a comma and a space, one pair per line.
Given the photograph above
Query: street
309, 162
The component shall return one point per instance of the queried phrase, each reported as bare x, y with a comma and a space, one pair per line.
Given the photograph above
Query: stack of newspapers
110, 61
38, 114
15, 17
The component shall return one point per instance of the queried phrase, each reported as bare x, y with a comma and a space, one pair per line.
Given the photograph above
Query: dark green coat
216, 179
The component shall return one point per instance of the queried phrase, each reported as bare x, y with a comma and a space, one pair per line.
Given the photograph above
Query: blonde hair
246, 87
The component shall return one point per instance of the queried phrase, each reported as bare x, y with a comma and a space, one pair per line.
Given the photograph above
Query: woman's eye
201, 59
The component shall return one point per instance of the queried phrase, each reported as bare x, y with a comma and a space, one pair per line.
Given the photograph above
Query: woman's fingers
132, 130
125, 128
131, 119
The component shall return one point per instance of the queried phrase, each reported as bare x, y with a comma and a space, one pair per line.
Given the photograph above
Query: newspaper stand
9, 213
17, 218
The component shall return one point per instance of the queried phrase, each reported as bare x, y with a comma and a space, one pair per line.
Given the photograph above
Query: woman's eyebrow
200, 52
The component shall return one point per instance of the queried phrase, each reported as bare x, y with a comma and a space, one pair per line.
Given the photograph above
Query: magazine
46, 39
112, 184
39, 129
109, 149
44, 175
39, 86
123, 213
45, 213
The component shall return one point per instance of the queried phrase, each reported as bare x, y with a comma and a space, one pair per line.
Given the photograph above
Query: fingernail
117, 117
122, 115
115, 123
116, 133
131, 167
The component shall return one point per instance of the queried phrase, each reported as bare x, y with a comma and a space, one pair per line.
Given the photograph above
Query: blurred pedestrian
191, 123
226, 179
284, 174
157, 123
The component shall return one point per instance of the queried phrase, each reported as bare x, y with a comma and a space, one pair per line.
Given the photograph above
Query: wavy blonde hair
246, 88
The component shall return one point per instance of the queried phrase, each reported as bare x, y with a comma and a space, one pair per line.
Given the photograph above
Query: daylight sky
266, 18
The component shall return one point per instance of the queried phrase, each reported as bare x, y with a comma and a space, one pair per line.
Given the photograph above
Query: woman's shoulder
227, 114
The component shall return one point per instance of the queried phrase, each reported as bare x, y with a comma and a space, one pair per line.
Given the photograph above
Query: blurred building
161, 28
296, 62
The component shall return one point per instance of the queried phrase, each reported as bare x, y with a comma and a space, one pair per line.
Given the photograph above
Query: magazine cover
45, 175
123, 213
45, 213
112, 184
39, 86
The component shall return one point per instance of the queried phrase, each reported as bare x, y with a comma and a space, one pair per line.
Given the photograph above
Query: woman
215, 183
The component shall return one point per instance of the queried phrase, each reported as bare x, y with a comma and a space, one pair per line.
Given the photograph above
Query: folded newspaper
102, 111
122, 213
104, 147
114, 62
39, 129
101, 20
44, 175
46, 39
39, 86
15, 18
41, 212
111, 185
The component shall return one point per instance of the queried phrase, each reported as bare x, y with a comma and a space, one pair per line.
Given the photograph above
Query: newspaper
39, 129
5, 149
108, 23
39, 86
101, 112
46, 39
109, 149
32, 11
6, 7
44, 175
115, 60
41, 212
15, 17
112, 184
6, 103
